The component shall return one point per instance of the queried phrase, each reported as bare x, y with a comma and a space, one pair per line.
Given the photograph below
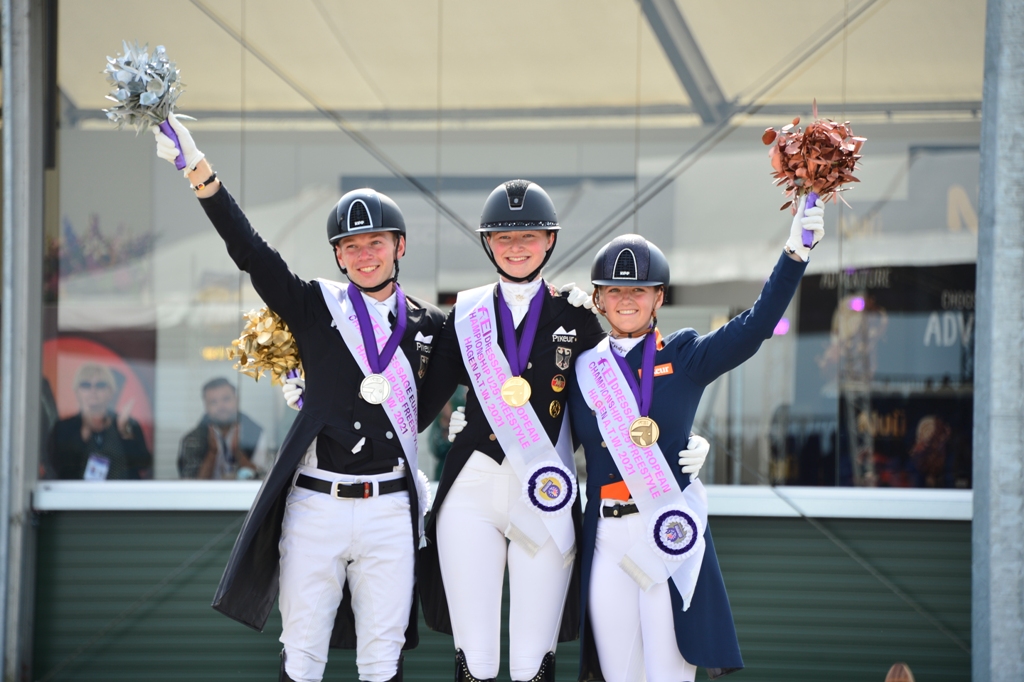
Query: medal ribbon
519, 354
645, 391
378, 361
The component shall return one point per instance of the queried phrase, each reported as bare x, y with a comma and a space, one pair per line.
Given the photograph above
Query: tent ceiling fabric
535, 54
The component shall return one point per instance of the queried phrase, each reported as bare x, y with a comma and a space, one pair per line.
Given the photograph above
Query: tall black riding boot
462, 673
284, 676
546, 673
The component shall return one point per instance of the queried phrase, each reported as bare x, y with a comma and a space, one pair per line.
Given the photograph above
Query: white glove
292, 390
456, 423
692, 458
577, 297
811, 219
166, 150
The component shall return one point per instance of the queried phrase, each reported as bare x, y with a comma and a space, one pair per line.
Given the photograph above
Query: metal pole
21, 332
997, 615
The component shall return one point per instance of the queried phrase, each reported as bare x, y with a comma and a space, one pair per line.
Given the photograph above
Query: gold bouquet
266, 345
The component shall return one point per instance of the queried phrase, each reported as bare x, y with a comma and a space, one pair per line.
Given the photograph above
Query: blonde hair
89, 371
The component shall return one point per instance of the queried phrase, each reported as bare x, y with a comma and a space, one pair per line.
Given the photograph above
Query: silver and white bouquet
144, 88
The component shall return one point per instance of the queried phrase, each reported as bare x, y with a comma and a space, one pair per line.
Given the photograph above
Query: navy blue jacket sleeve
280, 288
729, 346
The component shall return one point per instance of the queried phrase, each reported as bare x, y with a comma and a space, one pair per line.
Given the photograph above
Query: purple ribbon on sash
378, 361
519, 354
645, 391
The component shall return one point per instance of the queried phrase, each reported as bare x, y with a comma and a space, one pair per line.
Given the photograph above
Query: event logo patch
674, 532
550, 488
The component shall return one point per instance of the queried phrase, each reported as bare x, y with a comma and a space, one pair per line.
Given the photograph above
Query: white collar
623, 346
520, 293
388, 305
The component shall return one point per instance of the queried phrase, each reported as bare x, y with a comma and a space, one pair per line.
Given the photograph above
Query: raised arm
713, 354
282, 290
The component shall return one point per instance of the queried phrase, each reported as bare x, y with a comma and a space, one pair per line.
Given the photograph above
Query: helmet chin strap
529, 278
382, 285
619, 334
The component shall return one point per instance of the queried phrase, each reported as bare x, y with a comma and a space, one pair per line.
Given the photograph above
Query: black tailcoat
549, 372
331, 408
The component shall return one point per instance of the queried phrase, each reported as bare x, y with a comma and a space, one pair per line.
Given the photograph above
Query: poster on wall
885, 379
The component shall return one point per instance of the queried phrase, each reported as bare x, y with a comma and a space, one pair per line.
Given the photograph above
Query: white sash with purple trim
547, 471
401, 405
675, 518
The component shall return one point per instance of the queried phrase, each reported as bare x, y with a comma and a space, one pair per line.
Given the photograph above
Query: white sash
675, 519
548, 472
401, 405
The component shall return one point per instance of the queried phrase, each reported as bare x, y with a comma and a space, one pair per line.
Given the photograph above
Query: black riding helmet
518, 206
365, 210
630, 259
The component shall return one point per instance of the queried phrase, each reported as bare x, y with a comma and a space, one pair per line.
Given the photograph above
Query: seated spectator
96, 444
226, 444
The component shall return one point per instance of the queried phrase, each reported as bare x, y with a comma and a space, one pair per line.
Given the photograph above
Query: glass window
867, 381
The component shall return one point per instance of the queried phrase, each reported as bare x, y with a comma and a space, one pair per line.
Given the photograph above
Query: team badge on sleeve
674, 532
550, 488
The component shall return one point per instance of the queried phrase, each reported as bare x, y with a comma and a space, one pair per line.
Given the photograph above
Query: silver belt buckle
335, 489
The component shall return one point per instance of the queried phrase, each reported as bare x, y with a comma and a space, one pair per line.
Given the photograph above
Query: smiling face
370, 257
520, 253
629, 308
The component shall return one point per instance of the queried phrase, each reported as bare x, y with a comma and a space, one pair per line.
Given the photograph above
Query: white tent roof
532, 56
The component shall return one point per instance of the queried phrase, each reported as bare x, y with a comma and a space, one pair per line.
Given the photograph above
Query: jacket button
357, 426
603, 445
493, 437
593, 412
529, 365
611, 477
389, 435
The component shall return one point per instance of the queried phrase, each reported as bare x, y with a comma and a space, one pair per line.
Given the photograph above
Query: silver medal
374, 389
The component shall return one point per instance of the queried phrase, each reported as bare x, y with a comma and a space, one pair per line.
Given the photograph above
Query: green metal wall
125, 596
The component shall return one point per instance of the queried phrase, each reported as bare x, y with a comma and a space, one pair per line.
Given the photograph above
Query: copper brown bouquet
816, 161
266, 345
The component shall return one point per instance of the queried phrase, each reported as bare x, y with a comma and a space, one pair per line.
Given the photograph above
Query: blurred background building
842, 456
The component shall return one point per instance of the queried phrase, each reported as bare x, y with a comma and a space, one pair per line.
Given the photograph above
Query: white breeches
633, 630
472, 549
326, 541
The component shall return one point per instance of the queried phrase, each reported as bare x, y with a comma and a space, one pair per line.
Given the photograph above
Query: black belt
617, 510
340, 489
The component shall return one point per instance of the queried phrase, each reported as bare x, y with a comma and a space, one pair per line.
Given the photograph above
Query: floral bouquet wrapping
144, 89
266, 345
816, 161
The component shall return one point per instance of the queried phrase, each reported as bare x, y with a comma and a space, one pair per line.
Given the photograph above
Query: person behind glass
653, 600
512, 344
98, 444
226, 444
338, 518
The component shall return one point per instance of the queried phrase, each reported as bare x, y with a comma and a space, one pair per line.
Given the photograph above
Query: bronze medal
516, 391
644, 432
374, 389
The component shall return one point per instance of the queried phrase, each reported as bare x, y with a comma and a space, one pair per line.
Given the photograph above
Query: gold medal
644, 432
516, 391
